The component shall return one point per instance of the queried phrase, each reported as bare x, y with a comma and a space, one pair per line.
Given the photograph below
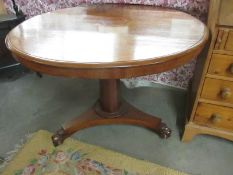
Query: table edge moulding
27, 44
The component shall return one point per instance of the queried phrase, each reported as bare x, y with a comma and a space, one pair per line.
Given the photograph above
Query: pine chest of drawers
211, 92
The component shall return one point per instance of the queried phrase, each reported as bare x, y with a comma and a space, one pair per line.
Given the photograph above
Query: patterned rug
39, 157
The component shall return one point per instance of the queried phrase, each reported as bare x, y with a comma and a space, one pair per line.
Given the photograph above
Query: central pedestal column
111, 109
109, 95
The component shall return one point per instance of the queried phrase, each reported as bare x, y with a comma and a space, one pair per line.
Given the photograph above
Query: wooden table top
108, 37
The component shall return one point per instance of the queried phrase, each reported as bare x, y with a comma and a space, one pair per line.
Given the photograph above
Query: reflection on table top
107, 36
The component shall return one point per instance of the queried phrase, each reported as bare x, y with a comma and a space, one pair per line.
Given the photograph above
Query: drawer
214, 116
224, 39
226, 13
221, 65
217, 90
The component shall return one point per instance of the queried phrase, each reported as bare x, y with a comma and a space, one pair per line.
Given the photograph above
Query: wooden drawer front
218, 90
226, 13
224, 40
221, 65
214, 116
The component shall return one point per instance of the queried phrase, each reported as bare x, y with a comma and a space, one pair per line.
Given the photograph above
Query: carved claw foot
164, 132
58, 137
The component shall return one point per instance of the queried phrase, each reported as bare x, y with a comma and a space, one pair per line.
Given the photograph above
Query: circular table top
107, 41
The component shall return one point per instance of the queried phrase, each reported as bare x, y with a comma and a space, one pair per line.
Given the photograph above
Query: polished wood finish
214, 116
131, 116
214, 7
109, 95
218, 77
108, 73
211, 90
108, 42
224, 40
221, 65
109, 109
226, 13
221, 39
218, 90
192, 130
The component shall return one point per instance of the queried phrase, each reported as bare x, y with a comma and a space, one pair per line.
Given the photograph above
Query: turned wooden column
110, 104
109, 95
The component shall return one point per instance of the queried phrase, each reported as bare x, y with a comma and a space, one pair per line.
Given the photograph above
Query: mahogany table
108, 42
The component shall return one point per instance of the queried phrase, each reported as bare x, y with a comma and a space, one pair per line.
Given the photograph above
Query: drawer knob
215, 118
225, 93
231, 68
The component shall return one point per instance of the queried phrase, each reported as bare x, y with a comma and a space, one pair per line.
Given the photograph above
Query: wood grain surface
107, 41
214, 116
226, 13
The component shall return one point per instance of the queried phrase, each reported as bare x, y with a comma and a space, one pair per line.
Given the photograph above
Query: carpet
39, 157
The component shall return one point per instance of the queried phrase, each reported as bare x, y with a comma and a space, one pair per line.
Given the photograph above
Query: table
108, 42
